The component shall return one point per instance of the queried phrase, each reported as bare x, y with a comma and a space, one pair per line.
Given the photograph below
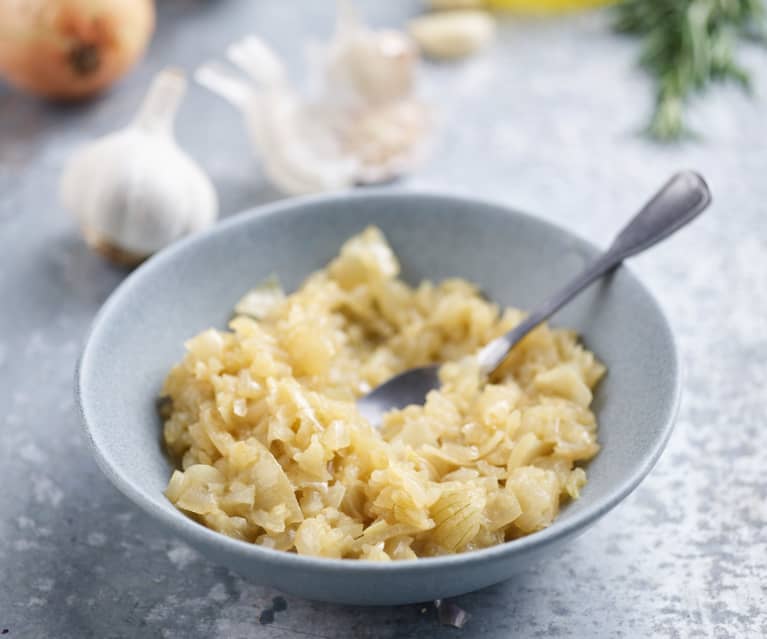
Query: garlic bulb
135, 191
363, 125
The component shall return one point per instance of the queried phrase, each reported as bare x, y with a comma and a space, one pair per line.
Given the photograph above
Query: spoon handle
678, 202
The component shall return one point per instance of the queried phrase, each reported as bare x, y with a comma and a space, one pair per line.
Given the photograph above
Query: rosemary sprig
687, 46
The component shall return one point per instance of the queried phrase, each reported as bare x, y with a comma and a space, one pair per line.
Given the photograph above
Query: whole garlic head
135, 191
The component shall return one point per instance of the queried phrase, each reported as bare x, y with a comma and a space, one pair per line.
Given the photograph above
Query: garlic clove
452, 34
364, 66
362, 126
135, 191
387, 140
299, 153
214, 77
254, 57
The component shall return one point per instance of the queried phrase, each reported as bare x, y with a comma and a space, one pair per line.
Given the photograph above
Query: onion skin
71, 49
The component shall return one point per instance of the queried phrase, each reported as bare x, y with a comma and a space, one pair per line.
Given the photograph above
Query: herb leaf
687, 45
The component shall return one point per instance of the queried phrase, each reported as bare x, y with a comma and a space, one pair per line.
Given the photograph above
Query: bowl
515, 258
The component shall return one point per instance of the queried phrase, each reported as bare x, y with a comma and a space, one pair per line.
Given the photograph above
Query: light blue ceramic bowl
516, 259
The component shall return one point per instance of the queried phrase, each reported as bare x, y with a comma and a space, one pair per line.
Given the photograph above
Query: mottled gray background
546, 122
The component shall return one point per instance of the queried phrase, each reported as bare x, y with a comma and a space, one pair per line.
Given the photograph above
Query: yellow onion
69, 49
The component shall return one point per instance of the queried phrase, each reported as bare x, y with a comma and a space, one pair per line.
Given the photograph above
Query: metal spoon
678, 202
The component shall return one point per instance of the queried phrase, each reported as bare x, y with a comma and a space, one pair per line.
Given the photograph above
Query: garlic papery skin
299, 153
362, 122
365, 67
135, 191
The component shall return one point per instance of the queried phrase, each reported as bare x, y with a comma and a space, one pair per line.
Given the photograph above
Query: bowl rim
199, 535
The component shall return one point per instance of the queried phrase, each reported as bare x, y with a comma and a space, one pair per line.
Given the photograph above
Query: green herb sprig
687, 46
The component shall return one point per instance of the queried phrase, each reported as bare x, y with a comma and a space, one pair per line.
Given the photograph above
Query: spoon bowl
410, 387
678, 202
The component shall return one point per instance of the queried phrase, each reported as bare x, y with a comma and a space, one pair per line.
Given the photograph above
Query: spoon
678, 202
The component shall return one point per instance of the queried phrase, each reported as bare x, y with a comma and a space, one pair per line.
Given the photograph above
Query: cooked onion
68, 49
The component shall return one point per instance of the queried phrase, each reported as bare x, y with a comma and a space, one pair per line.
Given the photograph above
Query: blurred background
555, 104
559, 108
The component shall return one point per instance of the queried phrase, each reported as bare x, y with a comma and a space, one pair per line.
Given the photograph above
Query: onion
69, 49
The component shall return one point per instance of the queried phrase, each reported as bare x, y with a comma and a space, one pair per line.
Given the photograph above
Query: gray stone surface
545, 122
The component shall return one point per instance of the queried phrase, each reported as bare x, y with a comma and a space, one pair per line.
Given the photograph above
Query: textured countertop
546, 122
